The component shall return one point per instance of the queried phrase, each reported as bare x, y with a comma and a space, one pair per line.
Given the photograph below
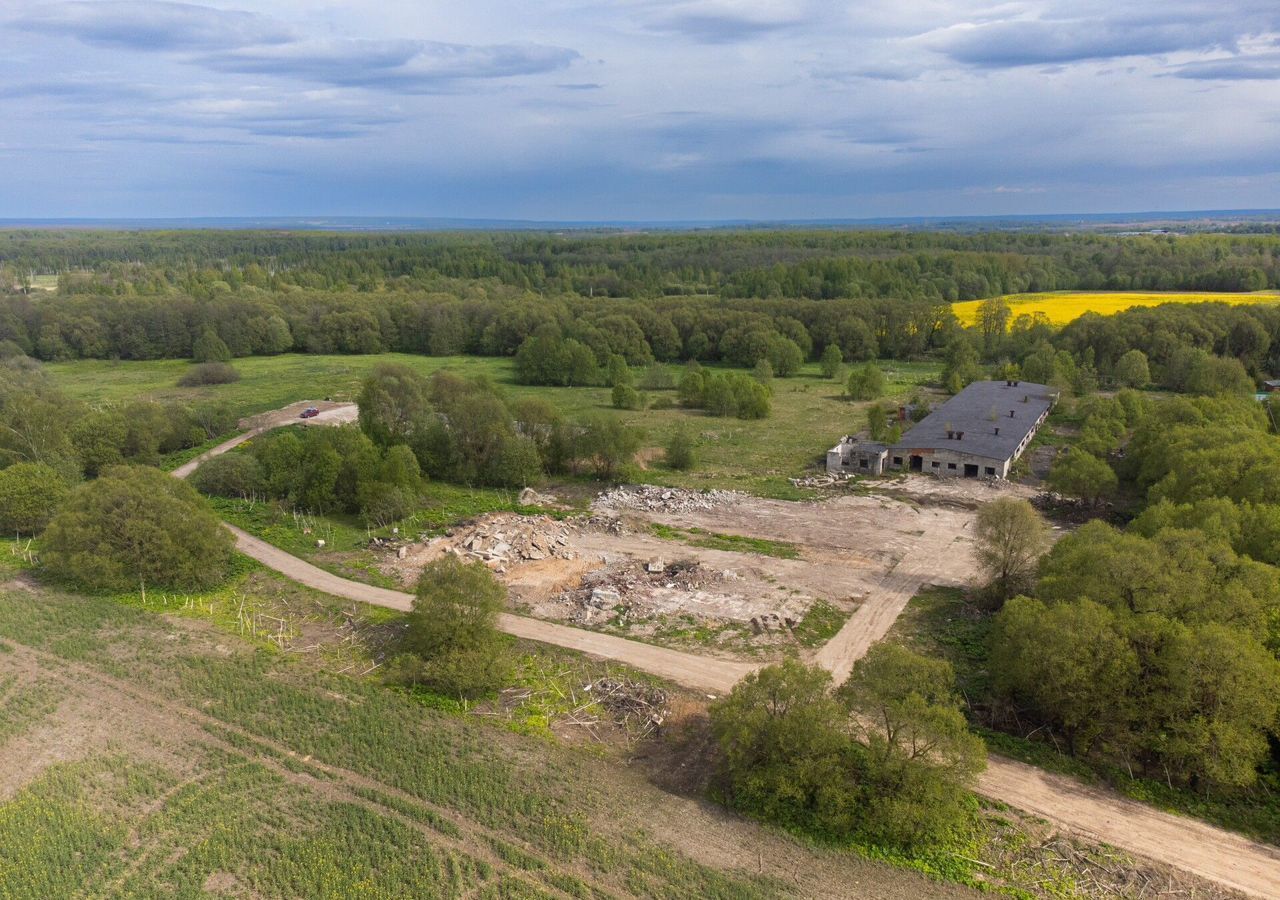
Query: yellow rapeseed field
1063, 306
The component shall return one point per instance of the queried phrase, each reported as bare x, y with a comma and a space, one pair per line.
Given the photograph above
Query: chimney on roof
1026, 398
997, 429
959, 435
1010, 414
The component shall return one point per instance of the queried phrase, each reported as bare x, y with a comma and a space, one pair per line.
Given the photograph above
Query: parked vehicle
309, 412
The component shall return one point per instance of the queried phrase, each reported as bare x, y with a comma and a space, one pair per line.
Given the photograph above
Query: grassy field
1063, 306
159, 750
809, 414
227, 770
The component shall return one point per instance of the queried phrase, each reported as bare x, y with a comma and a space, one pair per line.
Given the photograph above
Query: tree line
754, 264
1154, 647
473, 318
414, 428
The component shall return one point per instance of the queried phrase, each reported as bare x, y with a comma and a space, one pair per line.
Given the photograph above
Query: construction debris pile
651, 498
500, 541
623, 589
820, 481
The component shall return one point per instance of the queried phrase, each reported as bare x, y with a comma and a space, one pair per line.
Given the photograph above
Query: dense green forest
727, 297
760, 264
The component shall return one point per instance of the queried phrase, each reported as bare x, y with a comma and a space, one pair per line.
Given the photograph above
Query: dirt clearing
651, 563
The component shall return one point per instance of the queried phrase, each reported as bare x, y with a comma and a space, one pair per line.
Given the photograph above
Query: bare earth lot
865, 555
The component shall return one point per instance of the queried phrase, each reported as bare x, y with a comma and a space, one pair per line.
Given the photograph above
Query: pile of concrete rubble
818, 481
500, 541
626, 588
605, 588
651, 498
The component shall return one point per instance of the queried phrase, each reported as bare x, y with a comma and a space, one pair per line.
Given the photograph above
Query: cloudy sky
637, 109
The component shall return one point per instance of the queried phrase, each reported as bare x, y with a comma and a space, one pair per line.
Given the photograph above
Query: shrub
29, 495
625, 396
214, 418
865, 382
831, 361
453, 629
751, 398
229, 475
608, 444
692, 389
763, 373
657, 378
617, 371
209, 373
515, 464
784, 356
1132, 369
136, 526
382, 503
681, 454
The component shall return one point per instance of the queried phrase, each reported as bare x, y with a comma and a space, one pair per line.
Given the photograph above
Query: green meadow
809, 412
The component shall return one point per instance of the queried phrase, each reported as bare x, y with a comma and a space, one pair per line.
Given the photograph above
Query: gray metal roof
978, 411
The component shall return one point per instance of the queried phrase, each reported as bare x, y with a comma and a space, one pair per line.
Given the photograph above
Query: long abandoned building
978, 433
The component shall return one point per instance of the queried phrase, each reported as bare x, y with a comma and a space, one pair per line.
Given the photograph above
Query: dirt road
330, 414
1201, 849
870, 622
698, 672
1228, 859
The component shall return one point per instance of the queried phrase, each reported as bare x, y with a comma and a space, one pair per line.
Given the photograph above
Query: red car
309, 412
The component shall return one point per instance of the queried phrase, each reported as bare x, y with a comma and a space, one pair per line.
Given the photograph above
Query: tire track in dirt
1187, 844
159, 713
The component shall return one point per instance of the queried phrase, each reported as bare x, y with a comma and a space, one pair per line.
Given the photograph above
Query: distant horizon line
481, 223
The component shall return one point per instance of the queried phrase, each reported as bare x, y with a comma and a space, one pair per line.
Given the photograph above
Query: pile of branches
637, 708
1099, 871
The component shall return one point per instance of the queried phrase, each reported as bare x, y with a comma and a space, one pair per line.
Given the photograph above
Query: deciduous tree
1009, 537
137, 527
865, 382
453, 629
30, 494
